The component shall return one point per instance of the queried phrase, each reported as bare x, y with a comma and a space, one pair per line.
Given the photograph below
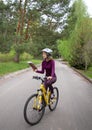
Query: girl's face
44, 55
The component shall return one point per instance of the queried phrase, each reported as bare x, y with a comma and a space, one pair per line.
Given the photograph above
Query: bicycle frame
46, 94
41, 93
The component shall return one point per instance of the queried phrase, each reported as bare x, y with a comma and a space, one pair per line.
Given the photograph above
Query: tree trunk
86, 65
17, 57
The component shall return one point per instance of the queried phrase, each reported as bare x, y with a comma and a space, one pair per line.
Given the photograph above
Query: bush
25, 56
7, 56
64, 49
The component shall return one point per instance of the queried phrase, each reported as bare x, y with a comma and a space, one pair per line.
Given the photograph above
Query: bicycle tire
28, 117
51, 106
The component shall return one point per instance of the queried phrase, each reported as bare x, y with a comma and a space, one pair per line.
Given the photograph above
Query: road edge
27, 69
90, 80
13, 74
66, 63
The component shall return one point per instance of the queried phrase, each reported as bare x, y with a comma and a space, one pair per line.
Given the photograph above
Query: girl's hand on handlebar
35, 70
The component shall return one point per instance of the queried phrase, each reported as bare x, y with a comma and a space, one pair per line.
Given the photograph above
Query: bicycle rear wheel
33, 114
54, 101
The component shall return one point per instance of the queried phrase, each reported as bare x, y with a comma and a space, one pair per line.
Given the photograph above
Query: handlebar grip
36, 77
39, 78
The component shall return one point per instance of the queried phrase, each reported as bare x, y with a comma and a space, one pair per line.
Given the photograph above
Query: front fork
37, 104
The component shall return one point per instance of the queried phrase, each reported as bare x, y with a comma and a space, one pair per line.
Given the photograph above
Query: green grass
8, 67
88, 72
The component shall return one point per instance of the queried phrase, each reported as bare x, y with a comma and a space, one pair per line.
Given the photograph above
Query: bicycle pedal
34, 108
52, 97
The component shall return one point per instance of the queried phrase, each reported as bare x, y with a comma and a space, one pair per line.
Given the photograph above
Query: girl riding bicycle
48, 66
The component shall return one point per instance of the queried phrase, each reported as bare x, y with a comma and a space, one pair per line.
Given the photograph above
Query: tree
7, 27
80, 36
34, 14
79, 30
27, 18
44, 38
87, 48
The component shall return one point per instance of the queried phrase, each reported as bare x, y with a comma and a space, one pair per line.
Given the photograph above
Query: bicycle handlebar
39, 78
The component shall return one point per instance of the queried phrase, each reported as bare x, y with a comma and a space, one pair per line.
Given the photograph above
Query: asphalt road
74, 110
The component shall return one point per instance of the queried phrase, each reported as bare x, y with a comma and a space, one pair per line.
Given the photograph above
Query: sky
88, 3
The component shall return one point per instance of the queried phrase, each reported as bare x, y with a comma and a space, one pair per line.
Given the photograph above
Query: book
32, 65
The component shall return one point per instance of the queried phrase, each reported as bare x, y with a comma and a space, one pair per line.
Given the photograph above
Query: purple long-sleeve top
48, 67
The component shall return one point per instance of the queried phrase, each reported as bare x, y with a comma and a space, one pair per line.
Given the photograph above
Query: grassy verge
8, 67
88, 72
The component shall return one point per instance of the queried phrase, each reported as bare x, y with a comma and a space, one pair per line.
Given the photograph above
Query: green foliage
7, 27
87, 54
78, 33
81, 41
88, 72
77, 57
42, 40
19, 48
5, 57
64, 49
32, 28
26, 56
13, 67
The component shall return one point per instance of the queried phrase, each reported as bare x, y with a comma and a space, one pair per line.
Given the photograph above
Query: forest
28, 26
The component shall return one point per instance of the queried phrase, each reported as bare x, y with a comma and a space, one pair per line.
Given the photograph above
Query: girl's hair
49, 58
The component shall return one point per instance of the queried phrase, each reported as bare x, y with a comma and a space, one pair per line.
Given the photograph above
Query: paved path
74, 110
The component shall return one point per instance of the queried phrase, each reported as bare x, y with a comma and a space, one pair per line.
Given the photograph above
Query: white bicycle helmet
47, 50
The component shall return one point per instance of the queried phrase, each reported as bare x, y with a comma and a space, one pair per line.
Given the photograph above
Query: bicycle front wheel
54, 101
33, 111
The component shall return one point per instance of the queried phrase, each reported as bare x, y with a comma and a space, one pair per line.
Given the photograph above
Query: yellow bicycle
35, 105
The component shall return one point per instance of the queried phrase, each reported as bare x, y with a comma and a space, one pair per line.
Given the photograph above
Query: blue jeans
48, 83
